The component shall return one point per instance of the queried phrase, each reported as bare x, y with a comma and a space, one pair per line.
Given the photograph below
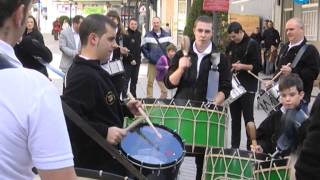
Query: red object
56, 26
216, 5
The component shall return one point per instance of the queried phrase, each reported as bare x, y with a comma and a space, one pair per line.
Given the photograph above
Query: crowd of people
99, 59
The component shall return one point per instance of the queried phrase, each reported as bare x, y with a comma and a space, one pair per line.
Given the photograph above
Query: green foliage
93, 10
196, 10
62, 18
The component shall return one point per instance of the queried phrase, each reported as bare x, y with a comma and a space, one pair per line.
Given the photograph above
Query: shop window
310, 19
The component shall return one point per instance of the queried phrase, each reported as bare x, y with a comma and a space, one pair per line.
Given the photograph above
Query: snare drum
230, 164
198, 125
269, 100
157, 158
237, 90
278, 169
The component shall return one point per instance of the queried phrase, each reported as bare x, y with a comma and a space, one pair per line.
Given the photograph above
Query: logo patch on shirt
110, 98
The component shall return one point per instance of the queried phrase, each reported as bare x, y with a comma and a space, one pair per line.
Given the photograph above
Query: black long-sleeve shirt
132, 41
90, 92
247, 51
193, 87
271, 37
307, 68
308, 164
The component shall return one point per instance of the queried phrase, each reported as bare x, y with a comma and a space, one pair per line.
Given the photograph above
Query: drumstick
259, 79
185, 45
234, 63
279, 73
251, 129
134, 123
145, 116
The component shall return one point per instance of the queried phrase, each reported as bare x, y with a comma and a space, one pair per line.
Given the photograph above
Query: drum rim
154, 166
280, 163
229, 152
152, 101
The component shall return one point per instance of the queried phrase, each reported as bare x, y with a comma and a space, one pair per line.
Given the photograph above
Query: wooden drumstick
134, 123
251, 129
145, 116
185, 45
251, 73
279, 73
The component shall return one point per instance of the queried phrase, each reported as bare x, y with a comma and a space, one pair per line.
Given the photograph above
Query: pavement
187, 169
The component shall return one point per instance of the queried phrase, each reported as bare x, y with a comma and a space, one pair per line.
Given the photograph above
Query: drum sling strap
92, 133
213, 77
299, 55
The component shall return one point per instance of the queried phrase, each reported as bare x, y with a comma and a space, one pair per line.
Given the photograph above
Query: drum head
143, 147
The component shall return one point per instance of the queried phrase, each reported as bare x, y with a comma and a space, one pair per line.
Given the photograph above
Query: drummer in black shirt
190, 74
90, 92
245, 56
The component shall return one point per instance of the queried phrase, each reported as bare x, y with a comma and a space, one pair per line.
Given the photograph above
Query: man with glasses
189, 74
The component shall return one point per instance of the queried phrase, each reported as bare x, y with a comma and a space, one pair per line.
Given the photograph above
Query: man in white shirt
69, 43
33, 131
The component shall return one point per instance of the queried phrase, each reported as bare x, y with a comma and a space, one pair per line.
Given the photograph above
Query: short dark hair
77, 18
133, 19
234, 27
94, 23
291, 80
8, 7
205, 19
171, 47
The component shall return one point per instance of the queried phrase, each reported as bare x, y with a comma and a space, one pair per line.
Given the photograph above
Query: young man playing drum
189, 74
269, 131
90, 92
245, 56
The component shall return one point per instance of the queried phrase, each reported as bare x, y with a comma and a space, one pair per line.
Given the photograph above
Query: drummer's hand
286, 70
184, 63
124, 50
134, 106
256, 148
268, 84
237, 66
219, 99
115, 135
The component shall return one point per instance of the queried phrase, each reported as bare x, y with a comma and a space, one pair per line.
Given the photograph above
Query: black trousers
199, 158
131, 74
243, 105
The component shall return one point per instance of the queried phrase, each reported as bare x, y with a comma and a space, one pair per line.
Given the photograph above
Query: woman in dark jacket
33, 30
118, 79
31, 51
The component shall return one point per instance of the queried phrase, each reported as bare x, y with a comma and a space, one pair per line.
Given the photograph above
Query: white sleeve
48, 139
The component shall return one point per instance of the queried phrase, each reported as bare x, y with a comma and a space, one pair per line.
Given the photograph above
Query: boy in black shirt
269, 131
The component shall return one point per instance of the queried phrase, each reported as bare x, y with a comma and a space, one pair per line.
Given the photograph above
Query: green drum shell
198, 126
272, 170
230, 164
